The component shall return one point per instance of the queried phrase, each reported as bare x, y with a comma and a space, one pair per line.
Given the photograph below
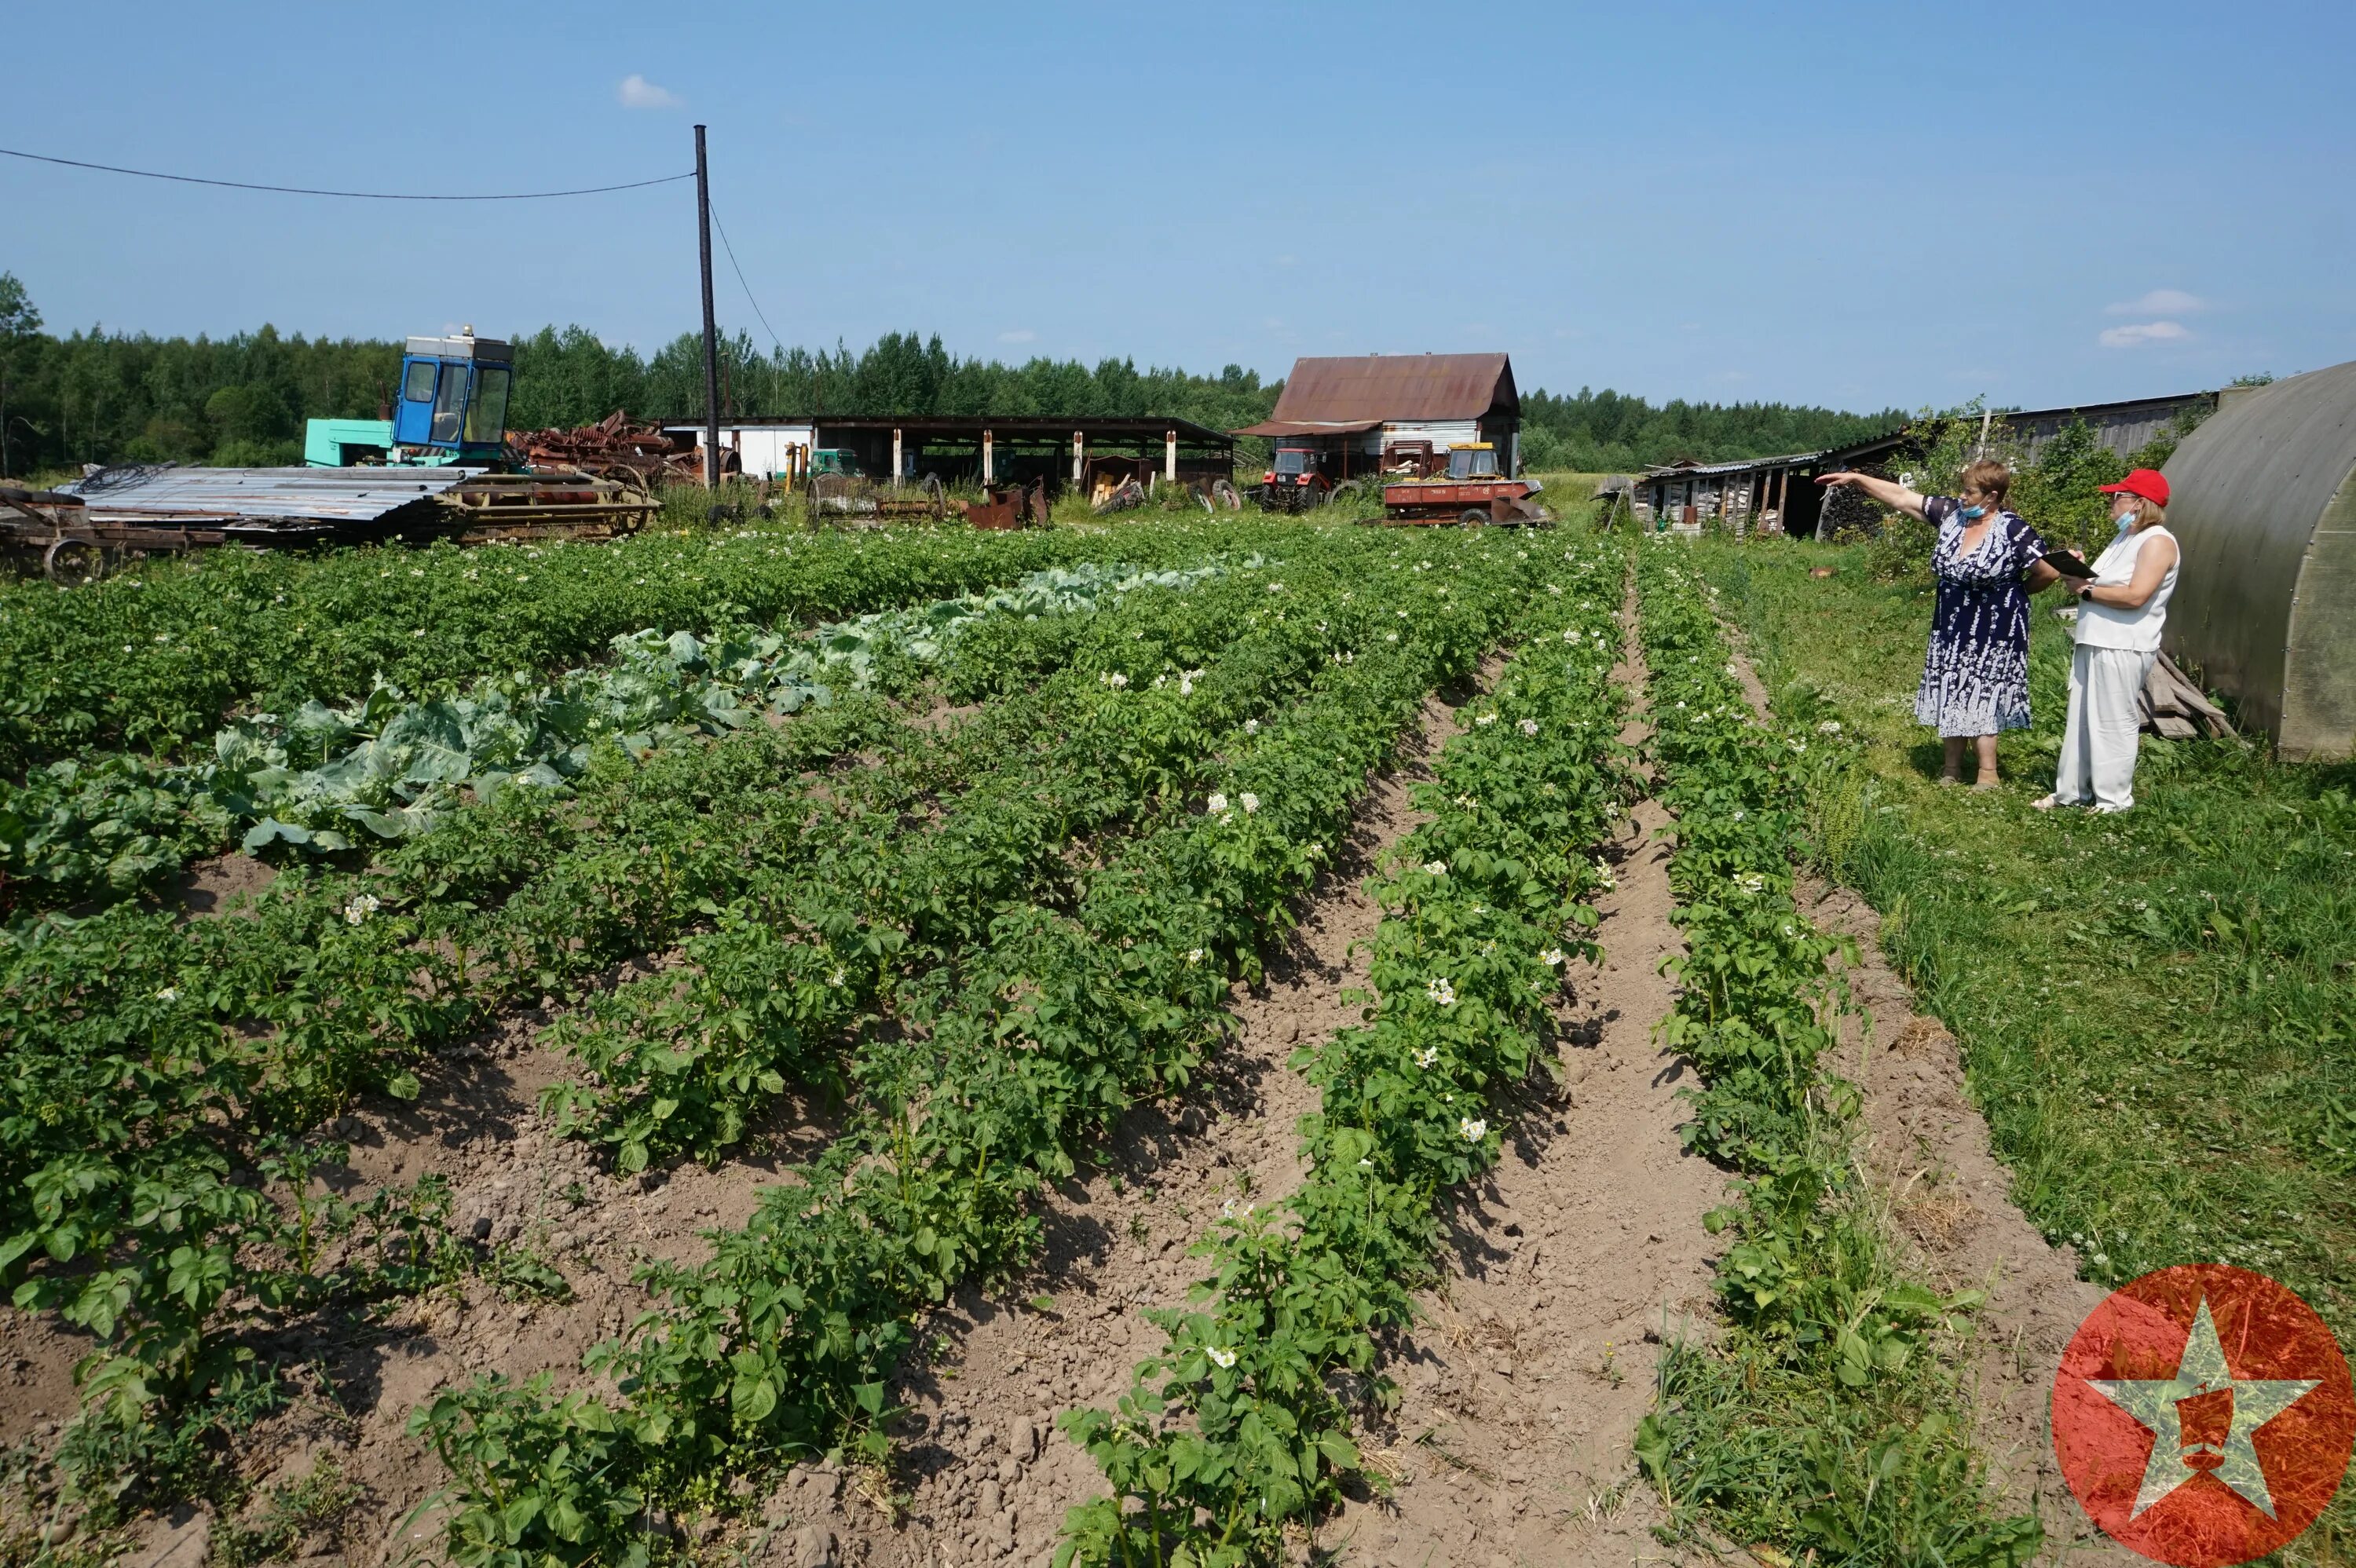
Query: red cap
2148, 483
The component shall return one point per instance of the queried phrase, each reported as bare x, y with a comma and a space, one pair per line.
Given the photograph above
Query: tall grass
2157, 1011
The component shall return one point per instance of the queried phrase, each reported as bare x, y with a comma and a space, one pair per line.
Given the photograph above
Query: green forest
1609, 432
109, 397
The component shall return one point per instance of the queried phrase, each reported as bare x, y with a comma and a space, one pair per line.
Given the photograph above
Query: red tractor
1297, 480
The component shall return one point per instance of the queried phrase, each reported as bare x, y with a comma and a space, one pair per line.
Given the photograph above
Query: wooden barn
1372, 411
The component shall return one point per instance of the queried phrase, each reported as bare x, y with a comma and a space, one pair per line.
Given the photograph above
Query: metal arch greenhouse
2265, 504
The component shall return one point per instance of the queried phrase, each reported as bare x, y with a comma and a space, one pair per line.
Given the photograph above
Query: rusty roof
1307, 427
1366, 389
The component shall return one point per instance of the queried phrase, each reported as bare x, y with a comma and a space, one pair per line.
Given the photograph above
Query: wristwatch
2085, 592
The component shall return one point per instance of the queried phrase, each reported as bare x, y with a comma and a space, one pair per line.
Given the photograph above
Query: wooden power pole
711, 337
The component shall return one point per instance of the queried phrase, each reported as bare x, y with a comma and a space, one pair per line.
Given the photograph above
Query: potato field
1206, 1043
913, 868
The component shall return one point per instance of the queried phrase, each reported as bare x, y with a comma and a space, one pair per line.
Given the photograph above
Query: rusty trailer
1506, 502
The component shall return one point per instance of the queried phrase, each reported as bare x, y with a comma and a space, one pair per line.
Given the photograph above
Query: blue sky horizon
1840, 204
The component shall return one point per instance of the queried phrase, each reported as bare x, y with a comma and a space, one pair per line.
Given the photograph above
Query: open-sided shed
2264, 502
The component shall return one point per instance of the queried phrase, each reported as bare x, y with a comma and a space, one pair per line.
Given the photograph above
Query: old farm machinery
1471, 490
439, 468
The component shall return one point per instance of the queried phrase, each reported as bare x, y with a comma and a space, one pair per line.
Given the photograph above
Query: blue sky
1860, 205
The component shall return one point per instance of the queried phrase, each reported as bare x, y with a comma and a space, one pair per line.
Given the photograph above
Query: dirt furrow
1951, 1205
1575, 1261
989, 1477
1951, 1208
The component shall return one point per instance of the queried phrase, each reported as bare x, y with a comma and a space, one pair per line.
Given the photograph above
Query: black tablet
2068, 565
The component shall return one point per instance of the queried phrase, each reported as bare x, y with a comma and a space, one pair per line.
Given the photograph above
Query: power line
353, 195
776, 370
740, 278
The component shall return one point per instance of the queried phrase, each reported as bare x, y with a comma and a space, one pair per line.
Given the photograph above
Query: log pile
2174, 706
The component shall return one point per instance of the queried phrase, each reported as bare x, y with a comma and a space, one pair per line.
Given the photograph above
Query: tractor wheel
71, 563
1224, 493
1475, 517
1346, 488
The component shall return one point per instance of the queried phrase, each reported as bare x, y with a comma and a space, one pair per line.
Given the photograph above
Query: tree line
110, 397
1611, 432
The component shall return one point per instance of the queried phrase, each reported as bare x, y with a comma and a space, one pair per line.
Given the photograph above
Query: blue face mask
2123, 522
1973, 514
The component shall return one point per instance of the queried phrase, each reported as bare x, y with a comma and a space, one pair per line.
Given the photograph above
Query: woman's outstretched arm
1888, 492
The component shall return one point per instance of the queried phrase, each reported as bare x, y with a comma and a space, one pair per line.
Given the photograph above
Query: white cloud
638, 93
2159, 302
1020, 335
2135, 334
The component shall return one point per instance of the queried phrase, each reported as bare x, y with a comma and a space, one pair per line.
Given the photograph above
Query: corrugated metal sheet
2264, 504
1739, 466
1383, 388
1307, 427
291, 495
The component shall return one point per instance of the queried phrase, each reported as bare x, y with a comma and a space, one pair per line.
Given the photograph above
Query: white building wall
1441, 433
761, 450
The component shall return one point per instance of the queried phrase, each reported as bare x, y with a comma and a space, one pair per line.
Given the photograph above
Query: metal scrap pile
613, 448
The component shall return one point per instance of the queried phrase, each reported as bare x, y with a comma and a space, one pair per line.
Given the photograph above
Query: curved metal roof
2263, 503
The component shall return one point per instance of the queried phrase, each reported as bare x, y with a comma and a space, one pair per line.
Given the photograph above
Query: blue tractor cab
453, 398
451, 408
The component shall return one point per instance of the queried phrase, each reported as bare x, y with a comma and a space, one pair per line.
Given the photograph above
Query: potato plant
327, 778
158, 1074
157, 658
1824, 1425
1243, 1425
782, 1343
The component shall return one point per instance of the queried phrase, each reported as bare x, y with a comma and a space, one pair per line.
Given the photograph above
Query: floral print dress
1975, 678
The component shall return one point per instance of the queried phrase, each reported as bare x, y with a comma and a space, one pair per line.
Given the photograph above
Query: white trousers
2098, 737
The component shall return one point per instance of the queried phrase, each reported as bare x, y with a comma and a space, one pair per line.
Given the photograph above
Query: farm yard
830, 1086
1209, 1039
1200, 920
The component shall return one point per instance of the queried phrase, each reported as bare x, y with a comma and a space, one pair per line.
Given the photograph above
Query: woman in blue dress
1975, 676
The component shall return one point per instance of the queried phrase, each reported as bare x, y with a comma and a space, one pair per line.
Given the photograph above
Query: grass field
2157, 1011
2155, 1008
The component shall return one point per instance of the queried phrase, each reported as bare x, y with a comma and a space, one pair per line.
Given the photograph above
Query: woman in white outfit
2120, 611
